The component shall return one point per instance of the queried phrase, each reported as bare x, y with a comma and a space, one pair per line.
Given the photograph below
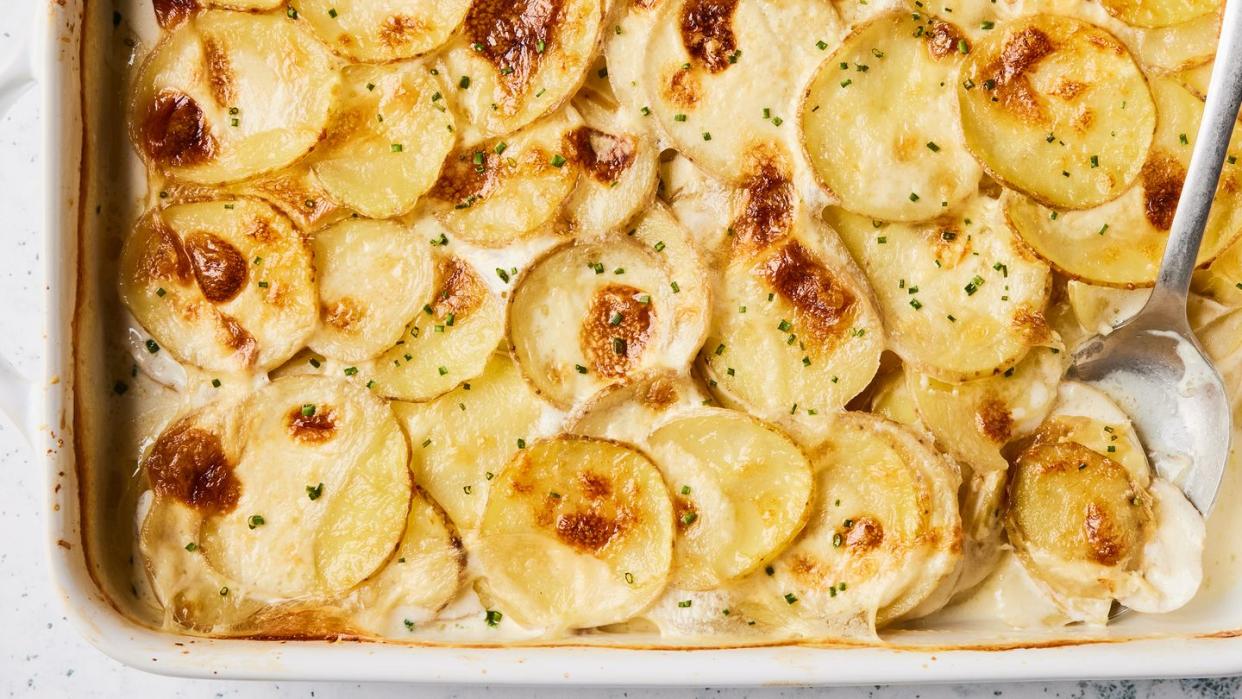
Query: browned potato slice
793, 338
373, 277
387, 139
880, 158
446, 343
324, 490
300, 491
590, 314
382, 30
884, 532
493, 192
226, 285
517, 60
723, 76
962, 280
209, 106
1057, 108
577, 533
973, 421
1088, 521
618, 163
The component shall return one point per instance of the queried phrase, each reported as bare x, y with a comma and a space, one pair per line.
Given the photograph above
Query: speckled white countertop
41, 655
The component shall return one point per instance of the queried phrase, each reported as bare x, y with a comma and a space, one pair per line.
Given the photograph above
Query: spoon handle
1220, 115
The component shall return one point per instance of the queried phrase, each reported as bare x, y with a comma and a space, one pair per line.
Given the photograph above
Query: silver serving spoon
1151, 364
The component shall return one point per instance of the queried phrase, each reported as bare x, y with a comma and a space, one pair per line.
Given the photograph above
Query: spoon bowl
1158, 374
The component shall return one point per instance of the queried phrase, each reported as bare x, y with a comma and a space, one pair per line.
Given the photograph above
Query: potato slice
1159, 13
1176, 47
741, 491
618, 164
294, 191
722, 76
879, 157
590, 314
1222, 280
387, 140
629, 411
382, 30
194, 596
1196, 79
449, 341
961, 280
1120, 243
498, 191
1057, 108
883, 535
209, 105
373, 277
892, 399
299, 491
517, 60
974, 420
625, 47
462, 439
421, 578
793, 337
1084, 517
226, 285
324, 490
577, 533
190, 469
1098, 309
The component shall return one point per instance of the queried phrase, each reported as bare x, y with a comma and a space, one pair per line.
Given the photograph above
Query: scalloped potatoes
500, 322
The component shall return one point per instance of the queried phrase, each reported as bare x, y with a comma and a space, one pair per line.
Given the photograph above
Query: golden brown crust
166, 257
238, 338
994, 421
945, 39
461, 291
604, 156
514, 36
824, 306
188, 463
707, 32
1007, 74
767, 200
616, 329
1162, 177
313, 425
219, 268
1107, 544
175, 131
169, 13
220, 77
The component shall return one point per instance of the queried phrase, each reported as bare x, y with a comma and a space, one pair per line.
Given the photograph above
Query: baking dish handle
17, 399
17, 392
17, 73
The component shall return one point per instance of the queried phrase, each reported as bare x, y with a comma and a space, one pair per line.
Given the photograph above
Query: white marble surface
40, 655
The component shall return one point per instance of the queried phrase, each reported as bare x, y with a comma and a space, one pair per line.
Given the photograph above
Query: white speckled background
40, 655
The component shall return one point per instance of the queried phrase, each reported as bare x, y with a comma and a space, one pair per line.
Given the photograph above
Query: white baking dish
1203, 639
